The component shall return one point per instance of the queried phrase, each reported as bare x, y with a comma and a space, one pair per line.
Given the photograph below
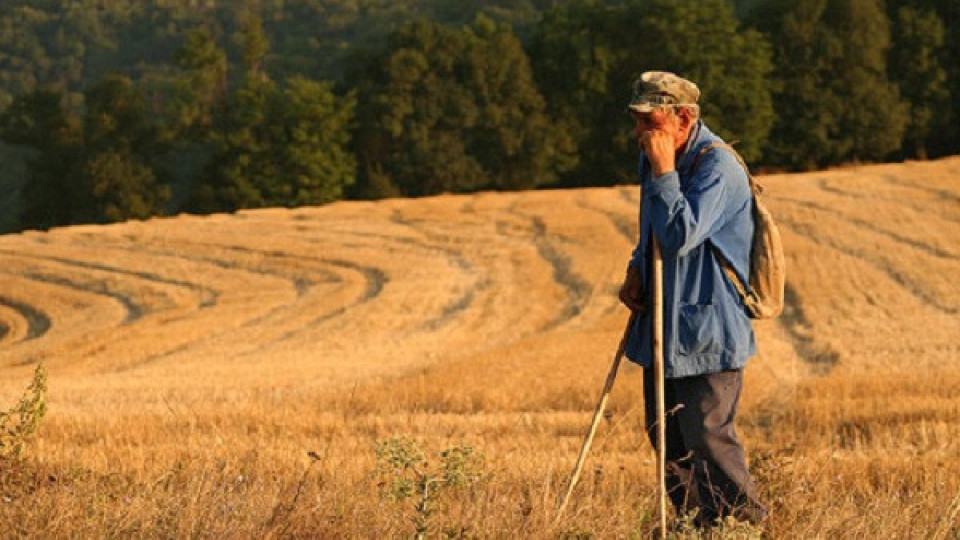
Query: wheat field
231, 376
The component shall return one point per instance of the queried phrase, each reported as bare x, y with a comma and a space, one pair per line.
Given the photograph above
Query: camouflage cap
659, 89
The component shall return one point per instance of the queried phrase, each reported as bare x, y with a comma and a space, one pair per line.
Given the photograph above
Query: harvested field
194, 362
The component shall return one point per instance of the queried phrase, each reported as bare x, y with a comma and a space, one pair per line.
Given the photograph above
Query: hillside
234, 344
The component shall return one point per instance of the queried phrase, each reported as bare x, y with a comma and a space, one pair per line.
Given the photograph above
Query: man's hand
630, 292
660, 148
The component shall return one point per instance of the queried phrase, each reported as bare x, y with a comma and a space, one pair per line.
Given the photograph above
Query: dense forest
123, 109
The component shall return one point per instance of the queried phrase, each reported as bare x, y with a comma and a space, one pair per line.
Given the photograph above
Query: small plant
19, 423
403, 473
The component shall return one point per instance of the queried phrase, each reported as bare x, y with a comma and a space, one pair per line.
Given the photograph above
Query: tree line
121, 109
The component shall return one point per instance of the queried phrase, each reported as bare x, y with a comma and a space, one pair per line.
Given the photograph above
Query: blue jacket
706, 328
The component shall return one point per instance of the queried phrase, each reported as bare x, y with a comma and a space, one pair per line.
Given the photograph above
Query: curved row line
864, 224
457, 305
821, 355
375, 281
373, 277
578, 290
38, 322
626, 227
298, 284
827, 185
940, 194
208, 295
921, 295
134, 310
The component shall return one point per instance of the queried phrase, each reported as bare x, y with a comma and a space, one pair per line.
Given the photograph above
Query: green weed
18, 424
404, 473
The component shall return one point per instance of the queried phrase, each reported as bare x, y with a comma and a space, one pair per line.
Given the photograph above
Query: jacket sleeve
636, 258
684, 220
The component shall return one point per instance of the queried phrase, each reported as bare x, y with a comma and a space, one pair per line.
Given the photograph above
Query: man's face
664, 120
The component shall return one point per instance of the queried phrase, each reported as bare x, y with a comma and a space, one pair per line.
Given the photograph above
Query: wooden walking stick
608, 385
659, 383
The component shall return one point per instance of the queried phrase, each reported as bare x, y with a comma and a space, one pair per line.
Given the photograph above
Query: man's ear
686, 119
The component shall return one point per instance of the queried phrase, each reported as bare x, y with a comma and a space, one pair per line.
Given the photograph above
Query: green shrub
18, 424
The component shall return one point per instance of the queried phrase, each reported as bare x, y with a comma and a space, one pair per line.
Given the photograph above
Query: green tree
25, 61
454, 110
93, 168
580, 55
241, 168
513, 139
949, 141
254, 44
116, 115
38, 120
59, 44
116, 177
34, 119
732, 65
278, 147
315, 146
201, 87
873, 116
272, 145
916, 64
122, 187
586, 54
801, 136
186, 100
836, 102
413, 113
945, 139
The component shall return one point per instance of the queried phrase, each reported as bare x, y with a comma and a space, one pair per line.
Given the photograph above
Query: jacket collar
699, 136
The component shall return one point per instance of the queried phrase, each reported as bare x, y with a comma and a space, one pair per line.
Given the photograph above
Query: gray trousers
706, 467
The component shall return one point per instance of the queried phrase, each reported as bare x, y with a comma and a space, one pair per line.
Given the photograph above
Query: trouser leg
680, 484
711, 458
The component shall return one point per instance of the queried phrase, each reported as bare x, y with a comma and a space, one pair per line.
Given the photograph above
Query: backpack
763, 296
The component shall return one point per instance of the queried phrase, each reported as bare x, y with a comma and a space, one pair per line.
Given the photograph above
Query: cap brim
643, 107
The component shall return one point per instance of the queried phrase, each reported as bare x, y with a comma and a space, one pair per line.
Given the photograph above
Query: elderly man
698, 205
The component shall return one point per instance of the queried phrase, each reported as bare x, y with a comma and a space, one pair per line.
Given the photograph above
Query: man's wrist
658, 173
659, 183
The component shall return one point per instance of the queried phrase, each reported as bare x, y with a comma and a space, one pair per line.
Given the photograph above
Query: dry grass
194, 362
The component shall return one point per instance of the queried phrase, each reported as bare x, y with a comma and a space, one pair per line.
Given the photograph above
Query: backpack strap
755, 189
731, 274
755, 186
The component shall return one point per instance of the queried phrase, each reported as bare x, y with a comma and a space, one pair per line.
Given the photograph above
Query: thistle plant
403, 473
